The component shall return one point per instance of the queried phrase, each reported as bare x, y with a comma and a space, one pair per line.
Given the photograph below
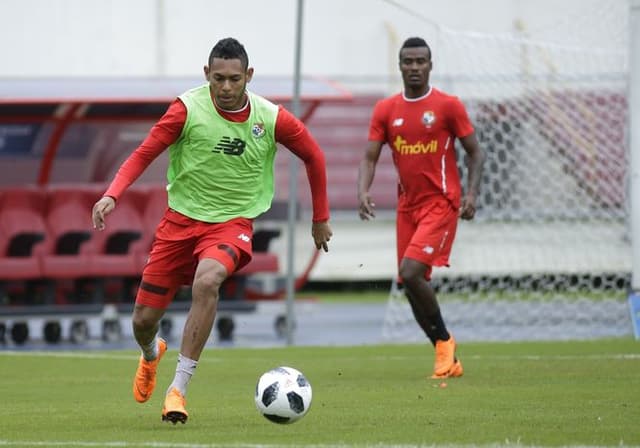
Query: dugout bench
19, 317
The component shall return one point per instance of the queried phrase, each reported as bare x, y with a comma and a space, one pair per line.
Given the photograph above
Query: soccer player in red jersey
222, 142
420, 126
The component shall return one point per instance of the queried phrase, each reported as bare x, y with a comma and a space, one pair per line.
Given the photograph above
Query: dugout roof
64, 101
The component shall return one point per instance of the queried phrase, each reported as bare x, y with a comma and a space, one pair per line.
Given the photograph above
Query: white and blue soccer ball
283, 395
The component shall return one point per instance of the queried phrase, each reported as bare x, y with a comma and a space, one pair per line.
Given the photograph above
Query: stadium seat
115, 268
151, 201
113, 254
22, 228
65, 254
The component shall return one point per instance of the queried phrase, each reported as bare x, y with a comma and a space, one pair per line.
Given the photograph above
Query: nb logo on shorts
244, 238
230, 147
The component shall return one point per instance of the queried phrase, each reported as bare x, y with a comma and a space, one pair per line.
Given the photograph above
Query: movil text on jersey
405, 148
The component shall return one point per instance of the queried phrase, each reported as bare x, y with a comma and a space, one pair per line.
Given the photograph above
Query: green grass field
523, 394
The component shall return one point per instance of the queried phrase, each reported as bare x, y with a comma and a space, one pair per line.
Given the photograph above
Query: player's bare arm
321, 232
366, 173
475, 162
102, 208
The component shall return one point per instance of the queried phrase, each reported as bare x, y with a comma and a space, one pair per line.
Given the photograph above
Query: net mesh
548, 255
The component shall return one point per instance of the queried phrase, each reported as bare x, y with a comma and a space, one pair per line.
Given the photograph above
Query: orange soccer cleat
145, 379
455, 371
174, 407
446, 364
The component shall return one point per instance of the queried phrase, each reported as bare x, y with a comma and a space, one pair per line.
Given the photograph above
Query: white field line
209, 358
122, 444
609, 356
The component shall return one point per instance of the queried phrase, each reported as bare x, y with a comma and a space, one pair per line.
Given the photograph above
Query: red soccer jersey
420, 133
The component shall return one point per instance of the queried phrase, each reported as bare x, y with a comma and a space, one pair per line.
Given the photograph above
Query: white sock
150, 352
184, 371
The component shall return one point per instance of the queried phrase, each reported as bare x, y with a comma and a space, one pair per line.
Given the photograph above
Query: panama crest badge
258, 130
428, 118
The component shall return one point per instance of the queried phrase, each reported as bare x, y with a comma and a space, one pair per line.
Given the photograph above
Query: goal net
548, 255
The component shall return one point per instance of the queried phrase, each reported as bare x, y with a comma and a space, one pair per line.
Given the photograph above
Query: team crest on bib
258, 130
428, 118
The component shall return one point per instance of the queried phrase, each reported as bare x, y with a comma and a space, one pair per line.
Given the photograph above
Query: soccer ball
283, 395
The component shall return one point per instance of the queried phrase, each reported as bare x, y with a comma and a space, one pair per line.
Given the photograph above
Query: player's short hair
415, 42
229, 48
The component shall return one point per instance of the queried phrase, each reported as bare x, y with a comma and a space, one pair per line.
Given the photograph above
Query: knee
207, 283
412, 272
408, 275
142, 320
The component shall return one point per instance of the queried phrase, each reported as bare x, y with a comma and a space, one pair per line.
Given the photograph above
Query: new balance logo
244, 238
230, 147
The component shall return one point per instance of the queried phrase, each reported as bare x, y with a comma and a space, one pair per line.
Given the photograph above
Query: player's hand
468, 207
366, 207
321, 232
102, 208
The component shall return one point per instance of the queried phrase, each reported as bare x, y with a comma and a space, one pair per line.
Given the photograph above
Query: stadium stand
342, 131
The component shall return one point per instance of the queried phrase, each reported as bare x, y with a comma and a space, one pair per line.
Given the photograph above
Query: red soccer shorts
426, 234
180, 243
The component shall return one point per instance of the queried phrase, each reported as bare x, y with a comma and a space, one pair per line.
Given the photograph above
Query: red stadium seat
113, 252
22, 229
65, 255
152, 203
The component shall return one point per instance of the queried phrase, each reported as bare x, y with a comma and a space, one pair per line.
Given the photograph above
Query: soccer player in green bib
222, 144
